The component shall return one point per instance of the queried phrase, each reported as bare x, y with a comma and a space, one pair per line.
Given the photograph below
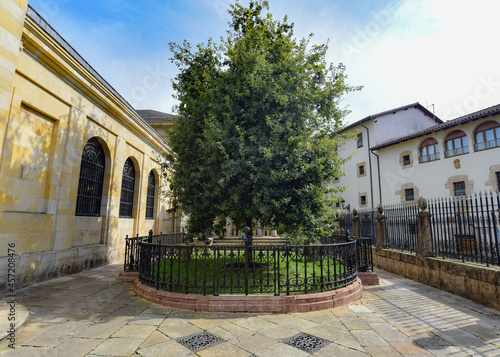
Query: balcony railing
456, 152
487, 145
428, 158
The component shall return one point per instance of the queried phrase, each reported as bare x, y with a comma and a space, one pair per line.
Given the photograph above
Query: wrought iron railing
467, 228
427, 158
364, 256
131, 262
215, 270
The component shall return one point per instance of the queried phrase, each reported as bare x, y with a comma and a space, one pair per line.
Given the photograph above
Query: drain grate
305, 342
199, 341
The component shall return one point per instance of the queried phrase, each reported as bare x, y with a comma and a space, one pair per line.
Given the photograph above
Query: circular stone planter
252, 303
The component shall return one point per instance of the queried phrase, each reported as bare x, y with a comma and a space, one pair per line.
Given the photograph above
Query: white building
362, 171
405, 153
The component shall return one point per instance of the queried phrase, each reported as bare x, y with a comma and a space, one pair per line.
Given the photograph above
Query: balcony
428, 158
487, 145
456, 152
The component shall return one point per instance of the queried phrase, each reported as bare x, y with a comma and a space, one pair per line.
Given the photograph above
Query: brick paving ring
252, 303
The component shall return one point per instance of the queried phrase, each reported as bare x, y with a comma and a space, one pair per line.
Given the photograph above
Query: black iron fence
131, 262
401, 220
364, 256
467, 228
462, 227
214, 270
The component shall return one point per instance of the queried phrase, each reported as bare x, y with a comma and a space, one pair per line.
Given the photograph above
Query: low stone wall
36, 267
476, 282
252, 303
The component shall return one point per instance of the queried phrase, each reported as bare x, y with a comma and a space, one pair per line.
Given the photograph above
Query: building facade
433, 159
80, 168
362, 172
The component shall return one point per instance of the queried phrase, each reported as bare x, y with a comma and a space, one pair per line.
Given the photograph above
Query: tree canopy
257, 127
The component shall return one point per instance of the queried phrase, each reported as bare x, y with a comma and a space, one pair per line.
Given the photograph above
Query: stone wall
51, 103
472, 281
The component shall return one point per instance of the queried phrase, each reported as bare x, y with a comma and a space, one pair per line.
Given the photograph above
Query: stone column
228, 227
424, 229
381, 227
355, 223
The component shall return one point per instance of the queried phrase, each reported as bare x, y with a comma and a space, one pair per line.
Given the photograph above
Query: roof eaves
415, 105
481, 114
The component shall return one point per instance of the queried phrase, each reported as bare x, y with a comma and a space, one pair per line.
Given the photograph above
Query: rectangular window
459, 188
361, 170
498, 180
360, 140
409, 196
363, 200
406, 160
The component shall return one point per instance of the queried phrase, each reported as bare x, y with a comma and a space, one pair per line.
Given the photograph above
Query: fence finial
422, 203
380, 208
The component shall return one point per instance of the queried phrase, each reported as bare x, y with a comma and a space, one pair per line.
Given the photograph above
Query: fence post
355, 223
381, 227
424, 234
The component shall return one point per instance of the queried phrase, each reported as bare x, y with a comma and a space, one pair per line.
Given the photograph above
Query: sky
441, 53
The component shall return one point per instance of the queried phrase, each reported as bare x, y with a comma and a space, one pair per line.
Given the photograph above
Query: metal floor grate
200, 341
305, 342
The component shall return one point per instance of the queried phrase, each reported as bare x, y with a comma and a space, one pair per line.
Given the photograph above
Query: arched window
88, 201
128, 183
429, 150
456, 143
150, 197
487, 136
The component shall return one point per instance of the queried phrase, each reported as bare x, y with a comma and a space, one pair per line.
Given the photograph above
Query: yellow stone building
79, 167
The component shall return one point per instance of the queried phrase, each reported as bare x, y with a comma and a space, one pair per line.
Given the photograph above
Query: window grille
128, 183
150, 198
88, 202
459, 188
361, 170
409, 195
406, 160
363, 200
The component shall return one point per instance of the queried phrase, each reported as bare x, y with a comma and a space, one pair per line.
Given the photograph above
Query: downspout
370, 163
378, 169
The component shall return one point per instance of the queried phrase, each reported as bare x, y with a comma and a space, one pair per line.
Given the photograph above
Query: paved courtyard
95, 314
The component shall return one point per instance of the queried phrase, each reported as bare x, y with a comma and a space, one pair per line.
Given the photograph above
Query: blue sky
441, 52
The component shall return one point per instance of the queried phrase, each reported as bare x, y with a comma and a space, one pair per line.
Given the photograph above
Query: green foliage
256, 131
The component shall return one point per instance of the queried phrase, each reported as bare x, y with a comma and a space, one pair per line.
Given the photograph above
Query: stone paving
95, 314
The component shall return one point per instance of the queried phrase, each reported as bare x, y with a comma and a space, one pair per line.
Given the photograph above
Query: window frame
459, 191
361, 170
361, 199
406, 163
481, 131
127, 190
452, 139
360, 140
425, 156
91, 179
408, 196
497, 174
150, 196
